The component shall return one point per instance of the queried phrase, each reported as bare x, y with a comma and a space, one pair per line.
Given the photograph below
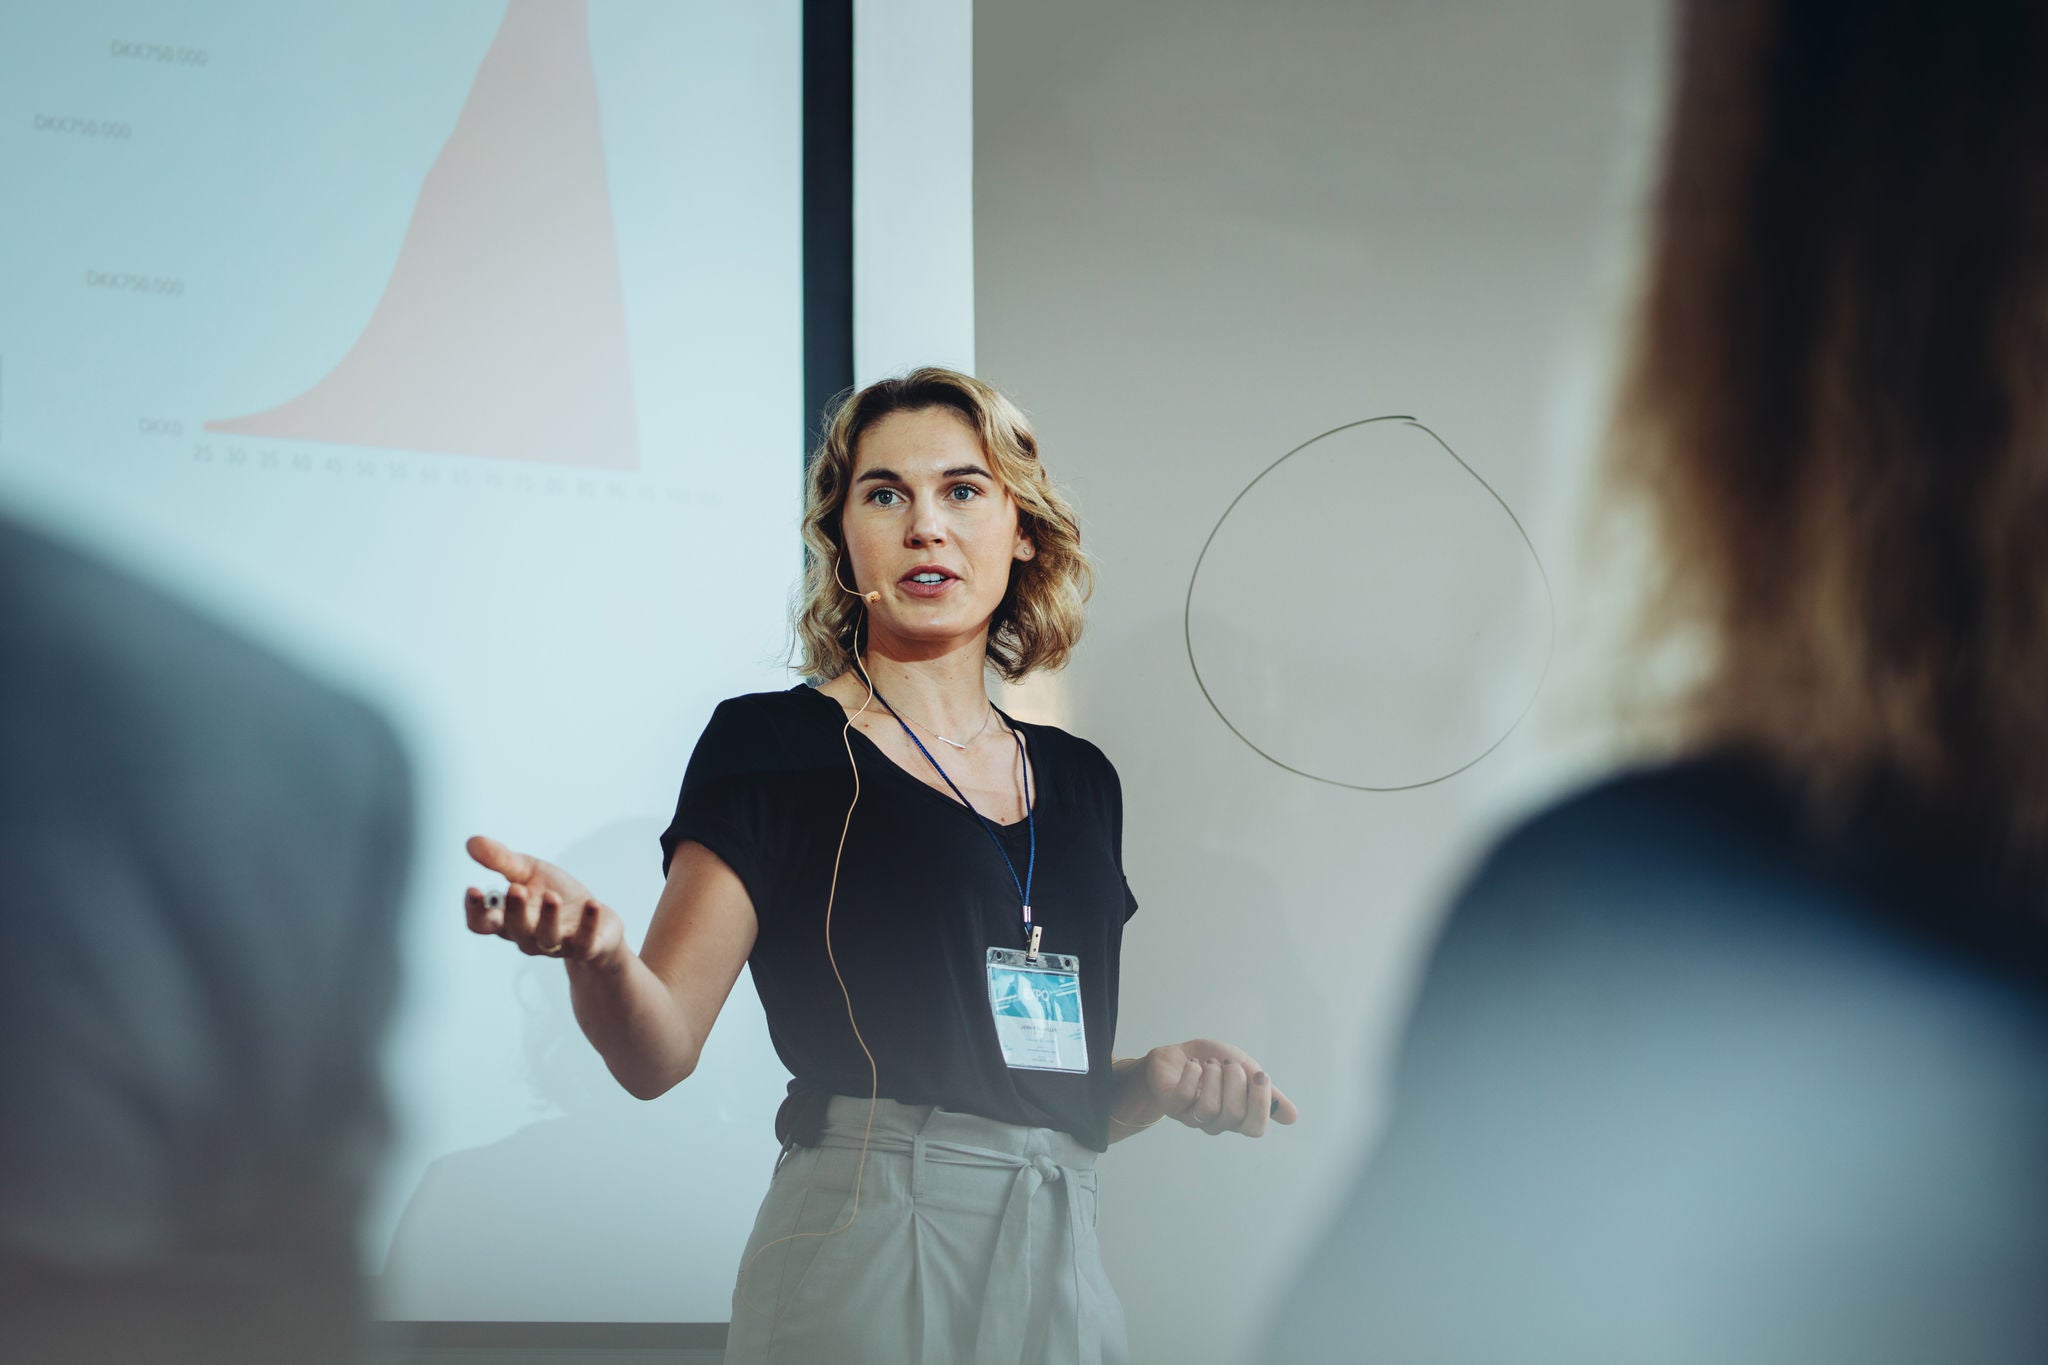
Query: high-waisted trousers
972, 1242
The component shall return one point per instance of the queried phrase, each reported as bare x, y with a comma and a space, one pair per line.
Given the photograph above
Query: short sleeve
729, 802
1113, 791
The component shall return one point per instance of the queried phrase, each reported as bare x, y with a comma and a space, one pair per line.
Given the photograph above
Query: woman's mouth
926, 582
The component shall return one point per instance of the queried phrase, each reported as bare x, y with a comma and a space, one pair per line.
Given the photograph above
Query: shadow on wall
1199, 896
1278, 912
601, 1180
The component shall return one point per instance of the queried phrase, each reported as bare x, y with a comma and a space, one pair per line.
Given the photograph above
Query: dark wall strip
828, 208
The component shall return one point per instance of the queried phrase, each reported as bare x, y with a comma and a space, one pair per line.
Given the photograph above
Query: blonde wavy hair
1038, 622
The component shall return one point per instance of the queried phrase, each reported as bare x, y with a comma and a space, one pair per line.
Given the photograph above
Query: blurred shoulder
167, 775
1690, 896
1666, 1053
1665, 1057
1701, 806
1638, 844
108, 659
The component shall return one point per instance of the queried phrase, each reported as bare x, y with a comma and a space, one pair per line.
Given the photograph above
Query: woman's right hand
547, 912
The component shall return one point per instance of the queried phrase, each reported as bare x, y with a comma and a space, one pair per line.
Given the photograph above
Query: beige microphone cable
874, 1072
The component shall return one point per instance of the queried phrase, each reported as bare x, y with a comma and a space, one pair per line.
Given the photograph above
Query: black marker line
1550, 601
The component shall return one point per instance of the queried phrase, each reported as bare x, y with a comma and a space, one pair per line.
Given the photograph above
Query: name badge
1037, 1006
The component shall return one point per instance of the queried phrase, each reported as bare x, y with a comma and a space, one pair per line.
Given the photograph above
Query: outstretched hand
546, 912
1204, 1084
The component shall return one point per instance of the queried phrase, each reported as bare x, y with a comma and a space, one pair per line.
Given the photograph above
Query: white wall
913, 190
1204, 234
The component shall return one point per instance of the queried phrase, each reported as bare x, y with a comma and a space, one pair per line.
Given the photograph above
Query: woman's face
929, 526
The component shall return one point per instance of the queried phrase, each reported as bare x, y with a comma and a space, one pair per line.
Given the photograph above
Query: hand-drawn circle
1239, 730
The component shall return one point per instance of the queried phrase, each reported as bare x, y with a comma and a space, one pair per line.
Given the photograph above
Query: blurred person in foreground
1745, 1057
202, 852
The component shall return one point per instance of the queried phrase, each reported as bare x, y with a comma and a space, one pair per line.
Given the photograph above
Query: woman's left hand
1204, 1084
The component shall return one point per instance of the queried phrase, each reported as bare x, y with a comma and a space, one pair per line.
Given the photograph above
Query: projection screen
456, 350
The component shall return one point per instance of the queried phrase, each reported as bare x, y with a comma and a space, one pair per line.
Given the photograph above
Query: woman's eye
963, 492
883, 497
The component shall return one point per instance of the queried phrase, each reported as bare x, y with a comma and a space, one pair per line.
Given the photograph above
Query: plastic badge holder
1036, 1001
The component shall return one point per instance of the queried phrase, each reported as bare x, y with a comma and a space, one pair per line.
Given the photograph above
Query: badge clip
1031, 953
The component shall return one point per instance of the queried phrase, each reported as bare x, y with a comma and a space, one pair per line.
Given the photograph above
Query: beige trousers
973, 1243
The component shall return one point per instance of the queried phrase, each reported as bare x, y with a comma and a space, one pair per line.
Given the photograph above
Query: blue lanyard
1030, 814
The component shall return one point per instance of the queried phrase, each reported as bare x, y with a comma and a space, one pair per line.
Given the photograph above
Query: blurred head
1838, 406
936, 476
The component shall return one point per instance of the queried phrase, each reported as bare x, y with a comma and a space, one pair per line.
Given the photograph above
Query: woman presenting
931, 897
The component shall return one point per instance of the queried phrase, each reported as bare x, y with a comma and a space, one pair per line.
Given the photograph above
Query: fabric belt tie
1001, 1336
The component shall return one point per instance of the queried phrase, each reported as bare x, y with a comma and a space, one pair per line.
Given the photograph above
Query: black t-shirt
922, 896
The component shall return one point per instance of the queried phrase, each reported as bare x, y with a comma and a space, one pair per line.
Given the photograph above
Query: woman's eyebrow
958, 471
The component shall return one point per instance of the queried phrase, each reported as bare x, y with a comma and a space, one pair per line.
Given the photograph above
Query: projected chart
403, 243
503, 329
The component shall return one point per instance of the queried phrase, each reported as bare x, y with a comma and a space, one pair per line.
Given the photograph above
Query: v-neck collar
1031, 757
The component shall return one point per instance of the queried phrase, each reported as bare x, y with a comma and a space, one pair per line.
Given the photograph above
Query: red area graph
502, 330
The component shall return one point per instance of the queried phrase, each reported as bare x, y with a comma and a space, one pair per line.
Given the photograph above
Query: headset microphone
868, 597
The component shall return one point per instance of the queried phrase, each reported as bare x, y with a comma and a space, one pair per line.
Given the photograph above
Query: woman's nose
926, 527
